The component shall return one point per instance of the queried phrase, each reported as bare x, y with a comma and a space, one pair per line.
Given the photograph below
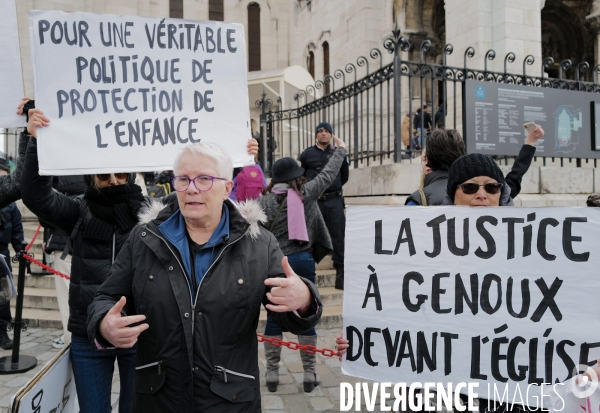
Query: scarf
112, 206
295, 212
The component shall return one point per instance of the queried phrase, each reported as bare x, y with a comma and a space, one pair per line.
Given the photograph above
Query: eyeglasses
106, 177
202, 182
471, 188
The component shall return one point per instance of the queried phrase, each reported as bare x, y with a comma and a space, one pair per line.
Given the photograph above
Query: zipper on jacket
113, 247
235, 373
193, 301
156, 363
212, 265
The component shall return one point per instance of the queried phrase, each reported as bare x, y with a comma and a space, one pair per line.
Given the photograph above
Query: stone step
325, 278
40, 298
29, 229
26, 214
41, 306
325, 264
37, 281
331, 318
40, 318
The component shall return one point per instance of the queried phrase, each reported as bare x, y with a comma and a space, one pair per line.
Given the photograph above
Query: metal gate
368, 112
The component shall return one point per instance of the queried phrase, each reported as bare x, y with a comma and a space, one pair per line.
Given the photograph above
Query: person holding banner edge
293, 216
99, 223
473, 180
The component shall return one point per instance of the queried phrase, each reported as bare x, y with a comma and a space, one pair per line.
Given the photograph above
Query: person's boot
309, 362
272, 355
339, 277
5, 342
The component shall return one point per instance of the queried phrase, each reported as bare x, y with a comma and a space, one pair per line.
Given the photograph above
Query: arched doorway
567, 35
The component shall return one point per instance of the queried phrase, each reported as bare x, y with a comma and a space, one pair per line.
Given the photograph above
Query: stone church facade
324, 35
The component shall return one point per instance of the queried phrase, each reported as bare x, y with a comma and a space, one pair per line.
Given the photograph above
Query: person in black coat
11, 232
98, 222
331, 202
421, 124
55, 242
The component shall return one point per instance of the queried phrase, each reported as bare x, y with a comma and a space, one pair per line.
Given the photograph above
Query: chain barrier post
16, 363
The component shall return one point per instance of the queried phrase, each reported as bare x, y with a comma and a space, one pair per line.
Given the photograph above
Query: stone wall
541, 186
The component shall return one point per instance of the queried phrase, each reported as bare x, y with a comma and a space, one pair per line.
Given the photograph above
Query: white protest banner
11, 81
503, 298
51, 390
126, 93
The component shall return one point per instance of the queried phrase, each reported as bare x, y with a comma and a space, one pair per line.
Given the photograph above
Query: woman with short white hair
99, 223
195, 275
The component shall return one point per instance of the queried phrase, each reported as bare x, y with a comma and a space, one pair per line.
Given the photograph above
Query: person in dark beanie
477, 180
290, 204
11, 232
443, 148
331, 202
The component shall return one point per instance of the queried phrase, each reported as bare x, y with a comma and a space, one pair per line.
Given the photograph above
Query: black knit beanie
470, 166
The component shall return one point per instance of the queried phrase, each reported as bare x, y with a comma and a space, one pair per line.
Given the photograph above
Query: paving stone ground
289, 398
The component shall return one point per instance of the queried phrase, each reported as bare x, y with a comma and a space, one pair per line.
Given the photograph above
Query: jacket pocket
233, 386
149, 378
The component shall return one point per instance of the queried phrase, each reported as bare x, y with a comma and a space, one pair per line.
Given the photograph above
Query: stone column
502, 25
594, 20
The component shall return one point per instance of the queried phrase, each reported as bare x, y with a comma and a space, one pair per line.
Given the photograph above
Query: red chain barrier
37, 231
310, 349
44, 266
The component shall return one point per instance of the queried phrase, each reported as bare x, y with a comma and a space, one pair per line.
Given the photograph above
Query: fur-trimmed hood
250, 210
151, 210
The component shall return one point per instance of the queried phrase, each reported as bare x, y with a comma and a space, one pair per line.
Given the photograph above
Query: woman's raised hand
36, 120
22, 104
339, 142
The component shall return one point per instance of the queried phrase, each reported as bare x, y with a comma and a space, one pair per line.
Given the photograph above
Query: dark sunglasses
106, 177
491, 188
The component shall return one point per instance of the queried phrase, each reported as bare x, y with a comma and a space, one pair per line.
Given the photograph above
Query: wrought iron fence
11, 143
368, 112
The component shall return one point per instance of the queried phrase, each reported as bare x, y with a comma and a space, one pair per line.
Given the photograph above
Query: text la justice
546, 228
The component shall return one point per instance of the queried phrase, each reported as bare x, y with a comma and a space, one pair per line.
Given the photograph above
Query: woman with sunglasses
473, 180
477, 180
99, 223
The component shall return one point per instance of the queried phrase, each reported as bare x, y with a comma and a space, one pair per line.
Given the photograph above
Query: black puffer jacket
198, 356
434, 188
91, 261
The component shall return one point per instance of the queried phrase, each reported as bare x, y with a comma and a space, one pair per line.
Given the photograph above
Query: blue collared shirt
174, 230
